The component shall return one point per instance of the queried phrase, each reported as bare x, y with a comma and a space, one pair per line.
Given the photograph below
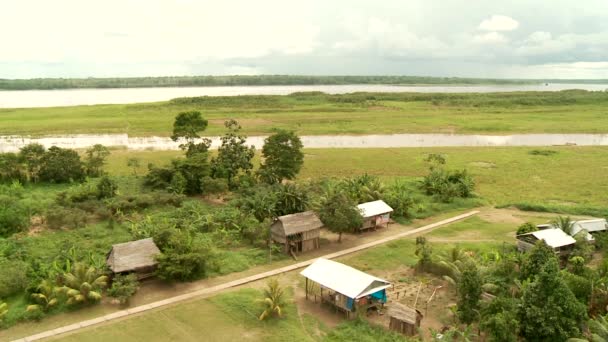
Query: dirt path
234, 283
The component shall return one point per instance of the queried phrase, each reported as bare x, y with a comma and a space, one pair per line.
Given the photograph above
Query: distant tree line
241, 80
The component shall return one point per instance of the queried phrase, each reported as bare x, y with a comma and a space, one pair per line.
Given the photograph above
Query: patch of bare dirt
37, 226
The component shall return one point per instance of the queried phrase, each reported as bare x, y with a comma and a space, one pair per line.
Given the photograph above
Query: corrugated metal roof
374, 208
589, 225
343, 279
554, 237
300, 222
130, 256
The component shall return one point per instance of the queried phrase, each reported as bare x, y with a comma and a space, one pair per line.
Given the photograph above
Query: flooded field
13, 143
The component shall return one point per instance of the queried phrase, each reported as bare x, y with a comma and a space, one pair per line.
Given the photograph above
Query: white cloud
490, 38
499, 23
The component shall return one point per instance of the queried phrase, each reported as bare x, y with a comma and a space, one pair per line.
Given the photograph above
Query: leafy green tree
499, 320
61, 165
273, 299
261, 203
469, 293
178, 184
549, 311
193, 168
233, 156
339, 214
535, 260
14, 216
123, 287
527, 227
31, 156
83, 284
106, 188
185, 256
290, 199
11, 168
95, 159
423, 252
134, 163
187, 126
564, 223
283, 157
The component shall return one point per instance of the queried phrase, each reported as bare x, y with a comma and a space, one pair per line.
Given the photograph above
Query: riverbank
81, 141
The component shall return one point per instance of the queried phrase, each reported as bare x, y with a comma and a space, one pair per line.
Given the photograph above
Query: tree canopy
283, 157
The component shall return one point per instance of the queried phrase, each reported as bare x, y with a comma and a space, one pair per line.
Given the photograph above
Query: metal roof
554, 237
298, 223
374, 208
131, 256
343, 279
596, 225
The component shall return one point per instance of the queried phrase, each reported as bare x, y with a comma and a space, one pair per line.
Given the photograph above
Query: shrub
527, 227
448, 184
185, 257
13, 277
106, 188
178, 183
158, 177
14, 216
60, 217
213, 186
77, 194
123, 287
59, 165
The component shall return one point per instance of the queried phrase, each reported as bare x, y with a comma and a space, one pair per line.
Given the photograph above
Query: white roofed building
347, 288
590, 226
553, 237
375, 214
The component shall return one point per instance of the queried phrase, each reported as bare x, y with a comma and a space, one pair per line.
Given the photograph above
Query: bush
158, 177
527, 227
14, 216
13, 277
213, 186
123, 287
178, 184
59, 165
448, 184
185, 257
106, 188
77, 194
58, 217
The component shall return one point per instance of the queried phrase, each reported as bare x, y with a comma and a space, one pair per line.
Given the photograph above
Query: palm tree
83, 283
3, 310
45, 298
563, 223
273, 299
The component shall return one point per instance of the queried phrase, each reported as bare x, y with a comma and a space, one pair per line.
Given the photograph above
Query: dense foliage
283, 157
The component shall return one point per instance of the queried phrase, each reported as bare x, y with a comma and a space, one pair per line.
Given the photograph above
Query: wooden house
404, 319
297, 232
345, 288
375, 214
137, 257
555, 238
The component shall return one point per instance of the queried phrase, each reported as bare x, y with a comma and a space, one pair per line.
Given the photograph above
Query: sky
450, 38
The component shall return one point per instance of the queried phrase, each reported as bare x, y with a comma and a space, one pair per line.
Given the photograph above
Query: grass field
317, 113
570, 180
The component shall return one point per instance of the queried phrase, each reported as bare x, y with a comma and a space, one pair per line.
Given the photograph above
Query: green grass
232, 316
362, 331
315, 113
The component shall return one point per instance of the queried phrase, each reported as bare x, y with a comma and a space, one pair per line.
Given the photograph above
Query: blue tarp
380, 295
349, 303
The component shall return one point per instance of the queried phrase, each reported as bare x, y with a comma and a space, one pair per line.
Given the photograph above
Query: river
13, 143
74, 97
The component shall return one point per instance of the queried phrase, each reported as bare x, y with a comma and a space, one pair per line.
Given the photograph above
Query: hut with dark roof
297, 232
404, 319
137, 257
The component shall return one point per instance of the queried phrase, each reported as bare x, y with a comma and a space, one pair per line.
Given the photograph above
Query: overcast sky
474, 38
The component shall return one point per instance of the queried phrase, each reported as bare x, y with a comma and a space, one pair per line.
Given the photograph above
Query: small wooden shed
375, 214
137, 257
297, 232
404, 319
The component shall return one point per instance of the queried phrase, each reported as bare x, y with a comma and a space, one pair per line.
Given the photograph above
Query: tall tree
535, 260
95, 159
187, 126
283, 157
469, 293
31, 155
233, 156
339, 214
549, 310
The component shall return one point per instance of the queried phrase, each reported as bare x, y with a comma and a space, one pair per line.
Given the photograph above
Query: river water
13, 143
73, 97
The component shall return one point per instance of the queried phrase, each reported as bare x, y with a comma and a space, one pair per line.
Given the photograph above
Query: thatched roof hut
135, 256
404, 319
297, 232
